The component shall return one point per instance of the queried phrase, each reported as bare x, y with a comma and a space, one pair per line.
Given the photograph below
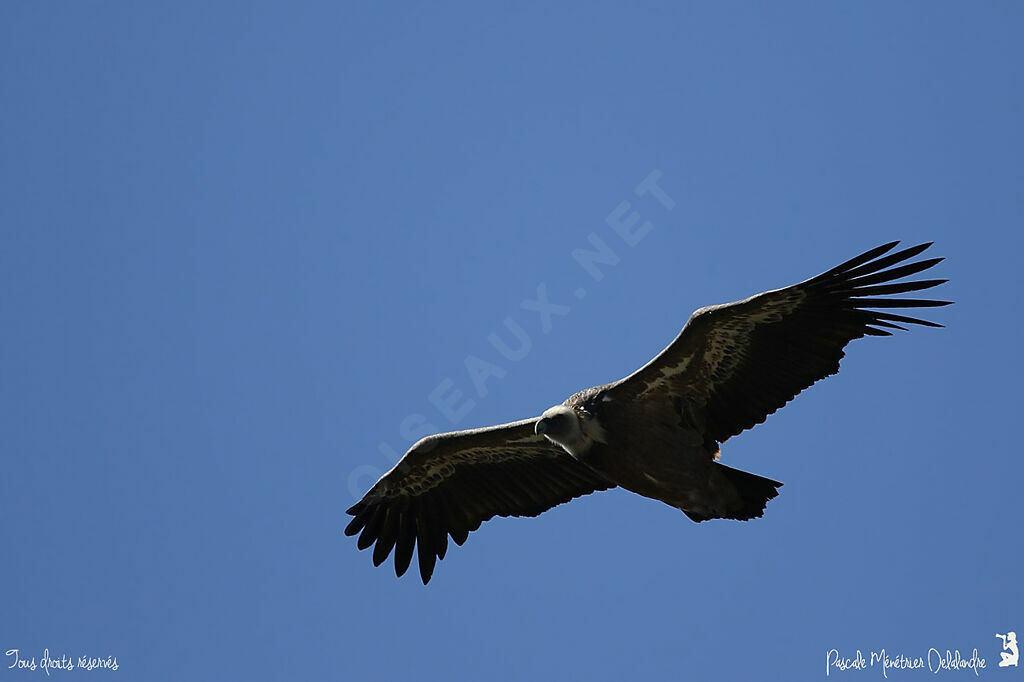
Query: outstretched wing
450, 483
742, 361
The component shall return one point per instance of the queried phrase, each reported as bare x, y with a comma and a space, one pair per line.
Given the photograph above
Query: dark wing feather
742, 361
450, 483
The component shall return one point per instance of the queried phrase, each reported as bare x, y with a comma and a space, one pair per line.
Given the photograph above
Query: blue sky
242, 244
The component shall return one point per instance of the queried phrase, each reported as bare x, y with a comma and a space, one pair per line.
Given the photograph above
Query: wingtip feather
355, 525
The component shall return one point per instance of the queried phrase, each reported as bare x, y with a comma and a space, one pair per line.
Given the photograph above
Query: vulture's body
672, 459
656, 432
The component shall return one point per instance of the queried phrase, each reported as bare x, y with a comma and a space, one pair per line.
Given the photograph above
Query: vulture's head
573, 430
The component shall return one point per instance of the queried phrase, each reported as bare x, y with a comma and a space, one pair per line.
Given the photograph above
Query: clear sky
243, 243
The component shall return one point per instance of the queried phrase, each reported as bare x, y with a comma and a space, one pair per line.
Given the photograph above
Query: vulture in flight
657, 431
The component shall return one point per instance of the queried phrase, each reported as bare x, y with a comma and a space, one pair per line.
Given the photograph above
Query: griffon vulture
655, 432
